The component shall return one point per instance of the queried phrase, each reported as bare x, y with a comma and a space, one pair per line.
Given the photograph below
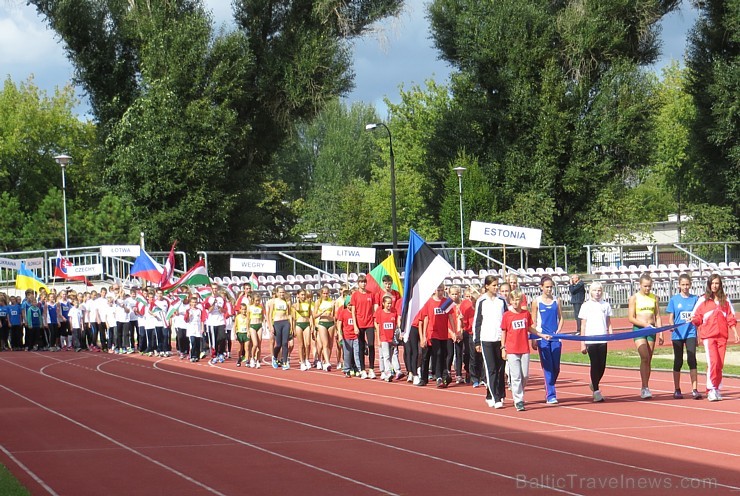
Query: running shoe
382, 376
251, 362
410, 378
371, 374
286, 366
416, 381
220, 359
420, 383
319, 365
476, 384
498, 404
645, 393
214, 361
440, 383
719, 395
490, 402
238, 362
257, 364
677, 395
447, 380
327, 367
348, 375
519, 406
552, 401
712, 395
363, 375
598, 398
303, 367
459, 380
399, 376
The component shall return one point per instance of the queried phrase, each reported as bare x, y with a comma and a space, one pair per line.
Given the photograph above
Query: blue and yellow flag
26, 279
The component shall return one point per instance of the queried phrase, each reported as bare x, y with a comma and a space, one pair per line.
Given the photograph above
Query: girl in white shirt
595, 315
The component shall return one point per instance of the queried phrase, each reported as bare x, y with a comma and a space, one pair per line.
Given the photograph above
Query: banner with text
499, 234
348, 254
120, 250
253, 265
9, 263
84, 270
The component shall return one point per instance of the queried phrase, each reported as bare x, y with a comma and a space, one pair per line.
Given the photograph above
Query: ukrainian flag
25, 279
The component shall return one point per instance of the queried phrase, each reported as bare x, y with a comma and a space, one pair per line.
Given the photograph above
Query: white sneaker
307, 364
417, 381
363, 375
257, 364
498, 404
383, 376
490, 402
327, 367
251, 362
303, 367
719, 395
645, 394
371, 374
318, 365
712, 395
598, 398
410, 378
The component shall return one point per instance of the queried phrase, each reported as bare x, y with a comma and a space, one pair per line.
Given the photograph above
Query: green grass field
662, 359
9, 485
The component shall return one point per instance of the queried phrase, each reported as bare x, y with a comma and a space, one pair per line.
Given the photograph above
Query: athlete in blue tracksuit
548, 316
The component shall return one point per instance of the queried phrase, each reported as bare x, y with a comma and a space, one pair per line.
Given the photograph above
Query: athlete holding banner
679, 312
644, 312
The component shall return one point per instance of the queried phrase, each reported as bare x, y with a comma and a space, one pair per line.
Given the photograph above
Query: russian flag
146, 268
60, 270
425, 271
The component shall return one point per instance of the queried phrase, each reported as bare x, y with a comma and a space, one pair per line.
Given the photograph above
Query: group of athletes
484, 335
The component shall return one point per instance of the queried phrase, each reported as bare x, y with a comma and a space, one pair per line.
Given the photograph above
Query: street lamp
63, 160
370, 127
459, 171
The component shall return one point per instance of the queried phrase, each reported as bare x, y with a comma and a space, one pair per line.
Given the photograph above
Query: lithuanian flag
375, 277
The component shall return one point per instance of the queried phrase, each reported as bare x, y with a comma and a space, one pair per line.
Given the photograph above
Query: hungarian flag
169, 267
375, 277
254, 282
196, 276
61, 270
425, 271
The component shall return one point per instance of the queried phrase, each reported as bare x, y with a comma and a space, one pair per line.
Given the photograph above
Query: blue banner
640, 333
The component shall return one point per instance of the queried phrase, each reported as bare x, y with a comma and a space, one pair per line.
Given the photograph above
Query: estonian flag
425, 271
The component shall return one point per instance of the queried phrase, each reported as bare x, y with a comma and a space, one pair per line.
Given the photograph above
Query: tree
190, 121
714, 83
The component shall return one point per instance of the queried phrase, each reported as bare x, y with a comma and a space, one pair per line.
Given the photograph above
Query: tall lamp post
394, 226
459, 171
63, 161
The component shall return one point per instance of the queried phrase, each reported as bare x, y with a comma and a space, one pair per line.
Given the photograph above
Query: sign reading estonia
253, 265
348, 254
120, 250
85, 270
505, 235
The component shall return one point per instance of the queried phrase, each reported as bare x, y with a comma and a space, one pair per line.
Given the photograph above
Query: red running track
91, 423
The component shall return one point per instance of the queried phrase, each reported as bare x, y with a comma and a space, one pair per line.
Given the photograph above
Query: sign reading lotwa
85, 270
348, 254
253, 265
120, 250
499, 234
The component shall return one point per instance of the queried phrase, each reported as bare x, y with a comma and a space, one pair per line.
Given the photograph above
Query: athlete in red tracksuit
714, 317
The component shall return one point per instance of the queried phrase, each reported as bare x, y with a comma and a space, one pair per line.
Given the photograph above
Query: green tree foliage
714, 83
34, 128
560, 107
190, 120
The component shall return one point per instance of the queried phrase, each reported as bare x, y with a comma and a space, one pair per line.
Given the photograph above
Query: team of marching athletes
487, 333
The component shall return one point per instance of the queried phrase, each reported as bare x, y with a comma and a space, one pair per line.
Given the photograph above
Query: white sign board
8, 263
499, 234
34, 263
253, 265
85, 270
120, 250
348, 254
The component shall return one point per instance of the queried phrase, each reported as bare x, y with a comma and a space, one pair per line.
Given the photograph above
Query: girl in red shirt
516, 326
714, 317
386, 323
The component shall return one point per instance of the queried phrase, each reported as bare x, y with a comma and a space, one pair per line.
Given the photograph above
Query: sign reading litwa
120, 250
499, 234
253, 265
348, 254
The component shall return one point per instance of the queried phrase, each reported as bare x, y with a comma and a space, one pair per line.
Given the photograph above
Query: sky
397, 52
